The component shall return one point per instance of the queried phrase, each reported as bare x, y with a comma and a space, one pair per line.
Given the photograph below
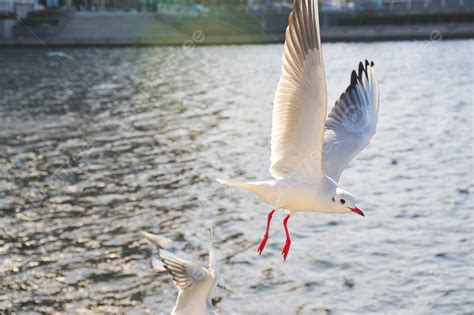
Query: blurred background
116, 116
145, 22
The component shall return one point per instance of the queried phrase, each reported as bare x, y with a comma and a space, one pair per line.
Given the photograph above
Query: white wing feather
186, 274
300, 104
352, 122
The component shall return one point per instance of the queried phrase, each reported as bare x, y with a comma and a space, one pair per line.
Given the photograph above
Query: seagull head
344, 202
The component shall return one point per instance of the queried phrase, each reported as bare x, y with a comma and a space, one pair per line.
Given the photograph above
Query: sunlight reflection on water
97, 148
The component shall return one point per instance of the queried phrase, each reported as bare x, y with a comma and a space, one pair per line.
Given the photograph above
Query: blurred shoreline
334, 34
76, 29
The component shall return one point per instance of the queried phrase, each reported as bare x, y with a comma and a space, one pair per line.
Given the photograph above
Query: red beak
358, 211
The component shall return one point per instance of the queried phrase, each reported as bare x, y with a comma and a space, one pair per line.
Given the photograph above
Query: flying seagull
194, 282
309, 150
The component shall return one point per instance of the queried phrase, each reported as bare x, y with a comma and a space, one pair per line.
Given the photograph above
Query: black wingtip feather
361, 69
353, 78
356, 76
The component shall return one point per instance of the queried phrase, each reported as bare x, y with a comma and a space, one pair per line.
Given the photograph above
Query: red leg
263, 242
286, 248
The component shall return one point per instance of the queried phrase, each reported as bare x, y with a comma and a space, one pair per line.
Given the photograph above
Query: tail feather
229, 182
252, 187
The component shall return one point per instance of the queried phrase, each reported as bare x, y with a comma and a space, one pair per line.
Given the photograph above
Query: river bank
152, 30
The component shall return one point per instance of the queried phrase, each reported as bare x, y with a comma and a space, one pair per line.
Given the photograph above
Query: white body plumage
294, 195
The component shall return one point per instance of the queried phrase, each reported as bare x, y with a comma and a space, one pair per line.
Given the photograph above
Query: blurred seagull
60, 54
195, 282
308, 150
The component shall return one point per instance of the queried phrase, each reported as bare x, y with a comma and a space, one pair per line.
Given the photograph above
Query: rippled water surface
98, 144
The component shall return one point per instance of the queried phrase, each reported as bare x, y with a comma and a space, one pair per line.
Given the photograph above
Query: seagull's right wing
300, 104
186, 274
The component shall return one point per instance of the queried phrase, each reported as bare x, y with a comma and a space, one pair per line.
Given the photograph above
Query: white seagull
195, 282
309, 151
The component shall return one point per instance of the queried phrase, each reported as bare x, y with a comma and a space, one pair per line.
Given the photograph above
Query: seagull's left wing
159, 241
352, 121
186, 274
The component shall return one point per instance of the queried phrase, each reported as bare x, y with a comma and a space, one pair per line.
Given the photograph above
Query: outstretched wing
300, 104
160, 242
213, 261
352, 122
186, 274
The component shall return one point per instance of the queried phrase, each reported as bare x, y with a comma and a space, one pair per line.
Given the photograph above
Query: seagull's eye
343, 201
333, 200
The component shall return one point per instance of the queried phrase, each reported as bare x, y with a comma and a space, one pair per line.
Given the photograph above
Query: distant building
18, 8
224, 2
11, 10
336, 3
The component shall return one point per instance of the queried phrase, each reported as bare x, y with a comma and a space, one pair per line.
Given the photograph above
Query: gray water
99, 144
